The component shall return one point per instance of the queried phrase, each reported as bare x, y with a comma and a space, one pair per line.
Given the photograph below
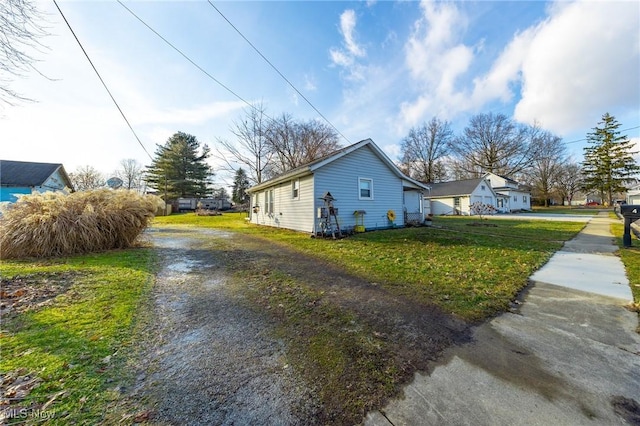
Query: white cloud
583, 61
347, 28
346, 56
505, 70
310, 83
564, 71
436, 59
198, 114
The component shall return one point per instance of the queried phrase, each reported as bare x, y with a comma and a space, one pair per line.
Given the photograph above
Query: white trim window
295, 189
365, 189
269, 201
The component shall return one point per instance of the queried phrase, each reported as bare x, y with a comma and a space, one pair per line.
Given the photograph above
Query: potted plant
428, 220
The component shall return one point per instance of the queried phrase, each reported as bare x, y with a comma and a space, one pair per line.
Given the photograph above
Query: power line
205, 72
584, 139
101, 80
277, 71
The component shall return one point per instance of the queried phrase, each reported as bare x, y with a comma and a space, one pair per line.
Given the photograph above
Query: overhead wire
584, 139
102, 80
184, 55
277, 71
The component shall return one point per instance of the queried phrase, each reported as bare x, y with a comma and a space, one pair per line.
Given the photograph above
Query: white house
360, 177
633, 195
456, 197
511, 195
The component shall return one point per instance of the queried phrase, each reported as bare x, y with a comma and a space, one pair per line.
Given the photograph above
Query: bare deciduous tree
494, 143
546, 166
130, 172
296, 143
86, 178
19, 40
569, 181
423, 147
250, 148
267, 147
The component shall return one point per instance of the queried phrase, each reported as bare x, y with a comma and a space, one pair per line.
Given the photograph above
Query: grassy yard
471, 271
631, 259
589, 211
65, 354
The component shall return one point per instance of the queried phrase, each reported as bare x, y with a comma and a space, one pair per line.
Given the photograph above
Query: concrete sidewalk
570, 355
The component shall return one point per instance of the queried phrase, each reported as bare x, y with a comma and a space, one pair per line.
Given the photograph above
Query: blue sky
373, 68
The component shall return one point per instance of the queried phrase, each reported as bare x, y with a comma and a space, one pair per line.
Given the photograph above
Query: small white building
457, 197
511, 195
360, 177
633, 195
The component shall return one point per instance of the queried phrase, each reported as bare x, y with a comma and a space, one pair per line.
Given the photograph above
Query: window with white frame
295, 189
365, 188
269, 201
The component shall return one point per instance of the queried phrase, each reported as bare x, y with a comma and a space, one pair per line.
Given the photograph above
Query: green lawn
631, 259
472, 271
589, 211
74, 345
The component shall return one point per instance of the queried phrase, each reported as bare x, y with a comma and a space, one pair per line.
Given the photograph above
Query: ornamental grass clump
57, 224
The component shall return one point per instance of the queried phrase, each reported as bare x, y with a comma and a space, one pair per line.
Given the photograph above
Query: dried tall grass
57, 224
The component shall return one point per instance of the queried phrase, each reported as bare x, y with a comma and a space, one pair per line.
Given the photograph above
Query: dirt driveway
209, 355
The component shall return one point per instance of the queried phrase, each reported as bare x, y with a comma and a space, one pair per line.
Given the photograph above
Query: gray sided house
456, 197
360, 177
23, 177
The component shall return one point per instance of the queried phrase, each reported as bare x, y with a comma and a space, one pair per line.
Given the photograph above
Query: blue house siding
22, 177
288, 211
341, 179
8, 194
340, 174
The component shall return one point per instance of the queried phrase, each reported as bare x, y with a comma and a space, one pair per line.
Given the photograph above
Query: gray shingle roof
457, 187
23, 173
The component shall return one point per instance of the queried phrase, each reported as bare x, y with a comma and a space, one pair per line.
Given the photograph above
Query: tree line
431, 152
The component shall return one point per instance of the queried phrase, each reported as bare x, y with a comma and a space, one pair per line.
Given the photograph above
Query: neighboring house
22, 177
511, 195
633, 195
456, 197
360, 177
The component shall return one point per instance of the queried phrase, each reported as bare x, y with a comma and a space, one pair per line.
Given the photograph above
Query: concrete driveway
564, 356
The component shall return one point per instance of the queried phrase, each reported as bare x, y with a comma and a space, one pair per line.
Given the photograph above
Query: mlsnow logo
24, 413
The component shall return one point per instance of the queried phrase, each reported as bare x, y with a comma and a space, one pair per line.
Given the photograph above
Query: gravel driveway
208, 358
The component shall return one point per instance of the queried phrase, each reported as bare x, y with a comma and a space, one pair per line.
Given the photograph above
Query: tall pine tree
179, 168
240, 186
608, 161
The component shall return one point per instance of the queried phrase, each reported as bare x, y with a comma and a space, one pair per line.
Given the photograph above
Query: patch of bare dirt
24, 293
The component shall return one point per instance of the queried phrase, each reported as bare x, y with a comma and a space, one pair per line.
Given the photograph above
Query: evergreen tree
240, 186
179, 168
608, 161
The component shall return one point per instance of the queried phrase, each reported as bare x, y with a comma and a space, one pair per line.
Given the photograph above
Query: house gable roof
28, 174
456, 187
506, 179
312, 166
